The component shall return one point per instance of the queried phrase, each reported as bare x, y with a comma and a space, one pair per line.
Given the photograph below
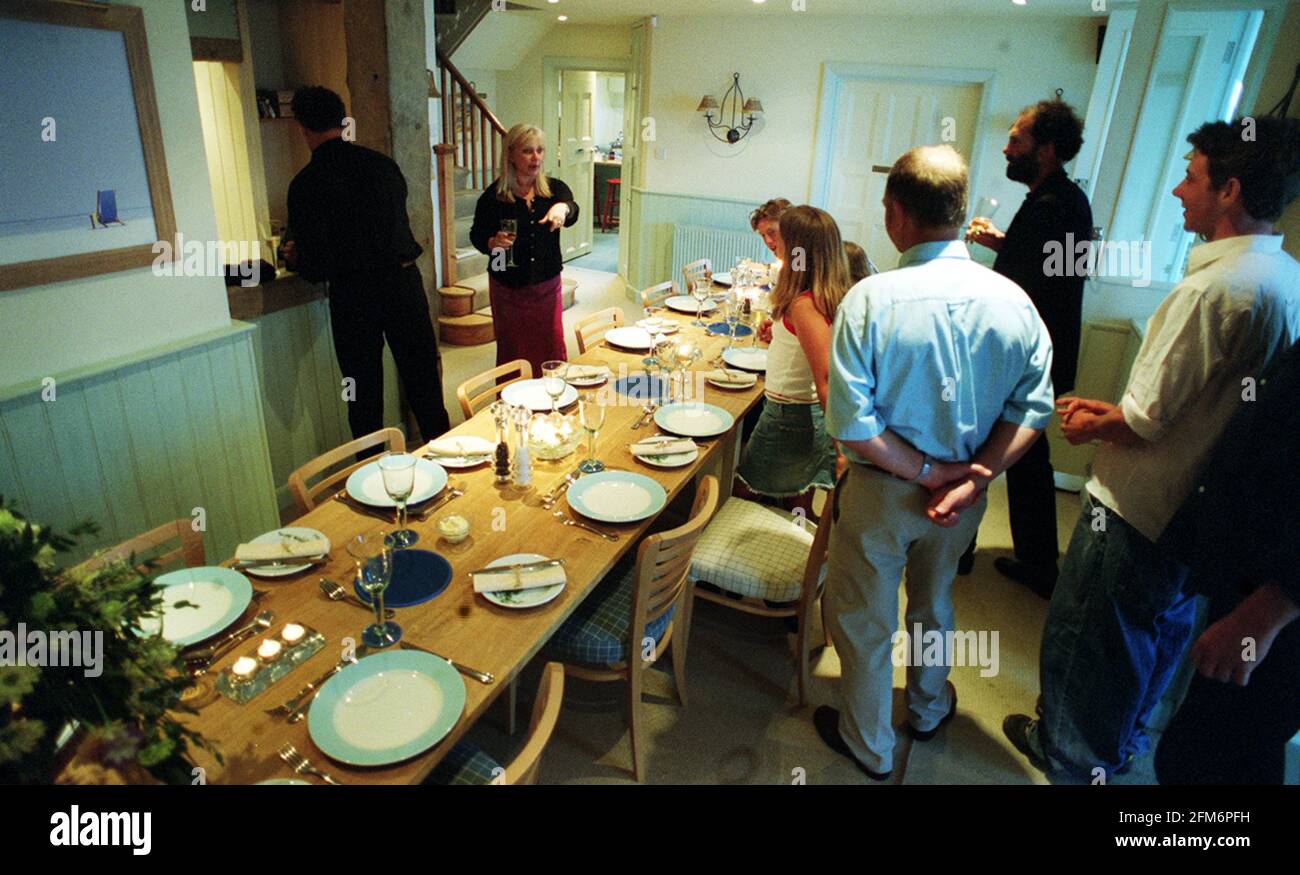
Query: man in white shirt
1121, 616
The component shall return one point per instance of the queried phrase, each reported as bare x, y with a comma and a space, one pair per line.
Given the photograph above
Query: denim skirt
789, 451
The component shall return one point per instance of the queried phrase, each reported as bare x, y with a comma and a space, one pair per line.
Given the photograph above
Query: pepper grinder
501, 415
523, 465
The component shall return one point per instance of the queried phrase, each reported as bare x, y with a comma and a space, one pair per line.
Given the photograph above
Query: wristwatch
925, 468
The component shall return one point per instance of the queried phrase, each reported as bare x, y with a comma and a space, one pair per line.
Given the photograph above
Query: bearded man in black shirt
348, 226
1054, 219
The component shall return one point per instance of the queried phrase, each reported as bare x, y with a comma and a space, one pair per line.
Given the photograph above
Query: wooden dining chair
656, 295
468, 764
149, 551
631, 616
763, 560
306, 493
591, 329
696, 270
479, 392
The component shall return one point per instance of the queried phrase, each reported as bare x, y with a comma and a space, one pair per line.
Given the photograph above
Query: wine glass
553, 373
731, 309
700, 292
398, 471
591, 413
374, 559
685, 354
511, 227
666, 358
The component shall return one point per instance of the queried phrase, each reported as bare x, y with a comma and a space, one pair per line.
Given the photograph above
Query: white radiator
691, 242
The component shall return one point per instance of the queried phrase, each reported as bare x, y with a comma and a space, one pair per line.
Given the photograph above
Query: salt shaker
523, 465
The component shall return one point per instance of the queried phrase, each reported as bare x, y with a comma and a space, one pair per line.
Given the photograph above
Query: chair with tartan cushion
609, 637
769, 559
466, 764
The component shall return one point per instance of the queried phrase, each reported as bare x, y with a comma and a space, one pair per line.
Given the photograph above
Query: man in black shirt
1053, 220
348, 227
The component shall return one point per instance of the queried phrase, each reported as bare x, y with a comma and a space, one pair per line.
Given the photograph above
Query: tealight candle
292, 634
243, 668
269, 650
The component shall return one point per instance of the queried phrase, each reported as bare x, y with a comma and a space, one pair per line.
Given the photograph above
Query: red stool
608, 216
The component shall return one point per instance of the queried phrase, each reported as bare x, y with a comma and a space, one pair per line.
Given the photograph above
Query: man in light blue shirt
940, 378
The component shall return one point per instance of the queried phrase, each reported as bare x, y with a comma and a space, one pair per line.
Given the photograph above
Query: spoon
559, 515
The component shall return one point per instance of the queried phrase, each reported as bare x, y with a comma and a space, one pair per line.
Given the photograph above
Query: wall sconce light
749, 110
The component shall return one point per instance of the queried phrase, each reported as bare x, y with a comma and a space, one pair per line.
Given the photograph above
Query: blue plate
386, 707
616, 497
418, 576
366, 484
218, 597
721, 328
641, 387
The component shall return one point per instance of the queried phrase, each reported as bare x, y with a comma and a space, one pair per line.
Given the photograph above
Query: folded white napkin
734, 378
282, 550
507, 579
663, 448
587, 372
455, 447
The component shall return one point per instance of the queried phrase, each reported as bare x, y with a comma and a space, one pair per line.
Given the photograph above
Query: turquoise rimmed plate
694, 419
616, 496
216, 598
386, 707
366, 484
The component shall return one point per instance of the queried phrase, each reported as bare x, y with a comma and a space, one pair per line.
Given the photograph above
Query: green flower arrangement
129, 709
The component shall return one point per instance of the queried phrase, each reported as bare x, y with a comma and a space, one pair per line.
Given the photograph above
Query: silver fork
451, 495
300, 765
569, 521
647, 412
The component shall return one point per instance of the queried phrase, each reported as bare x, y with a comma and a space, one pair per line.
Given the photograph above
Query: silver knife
366, 509
285, 562
521, 566
483, 677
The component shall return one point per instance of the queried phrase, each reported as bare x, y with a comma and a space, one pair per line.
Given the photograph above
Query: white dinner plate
629, 337
746, 358
532, 394
616, 496
522, 598
722, 279
366, 484
694, 419
197, 603
673, 460
593, 377
687, 304
286, 535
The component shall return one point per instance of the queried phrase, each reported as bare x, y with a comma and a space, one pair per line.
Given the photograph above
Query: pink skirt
529, 322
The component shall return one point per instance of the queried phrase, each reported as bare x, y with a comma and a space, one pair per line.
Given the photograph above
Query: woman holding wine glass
517, 224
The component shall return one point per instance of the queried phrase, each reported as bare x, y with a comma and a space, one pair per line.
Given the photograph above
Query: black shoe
1016, 727
966, 564
826, 720
926, 735
1040, 579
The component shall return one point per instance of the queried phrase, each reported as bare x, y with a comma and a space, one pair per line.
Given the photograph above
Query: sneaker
927, 734
1040, 579
1022, 731
826, 720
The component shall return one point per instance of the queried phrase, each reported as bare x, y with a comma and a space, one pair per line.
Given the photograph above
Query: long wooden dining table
458, 624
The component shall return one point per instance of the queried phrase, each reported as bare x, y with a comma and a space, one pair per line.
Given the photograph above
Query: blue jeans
1116, 629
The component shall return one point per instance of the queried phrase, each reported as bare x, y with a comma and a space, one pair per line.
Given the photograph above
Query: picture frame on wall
81, 118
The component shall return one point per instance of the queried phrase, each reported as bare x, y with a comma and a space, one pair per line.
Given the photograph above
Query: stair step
469, 263
459, 176
463, 226
466, 200
456, 301
470, 330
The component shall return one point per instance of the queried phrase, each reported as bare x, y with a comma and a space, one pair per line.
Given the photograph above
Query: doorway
871, 115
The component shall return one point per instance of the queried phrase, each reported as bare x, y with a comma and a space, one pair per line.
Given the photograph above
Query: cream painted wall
519, 89
57, 328
782, 66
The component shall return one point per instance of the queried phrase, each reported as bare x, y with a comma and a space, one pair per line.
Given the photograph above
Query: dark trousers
1226, 734
1031, 500
388, 305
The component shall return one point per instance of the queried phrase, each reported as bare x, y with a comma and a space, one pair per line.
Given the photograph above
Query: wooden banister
469, 125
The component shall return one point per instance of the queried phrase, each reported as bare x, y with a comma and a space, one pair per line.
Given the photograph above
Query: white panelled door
576, 159
872, 122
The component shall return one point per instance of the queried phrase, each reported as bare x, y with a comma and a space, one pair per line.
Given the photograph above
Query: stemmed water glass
511, 227
666, 358
398, 471
591, 413
553, 382
732, 308
373, 556
685, 354
700, 292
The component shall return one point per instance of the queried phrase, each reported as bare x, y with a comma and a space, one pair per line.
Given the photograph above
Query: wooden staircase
465, 163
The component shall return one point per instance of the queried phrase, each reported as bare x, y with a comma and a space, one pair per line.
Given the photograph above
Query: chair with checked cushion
627, 620
769, 559
466, 764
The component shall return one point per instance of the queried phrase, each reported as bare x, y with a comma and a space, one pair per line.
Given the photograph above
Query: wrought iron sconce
749, 110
